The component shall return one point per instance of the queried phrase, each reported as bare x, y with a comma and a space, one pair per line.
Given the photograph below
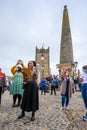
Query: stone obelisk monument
66, 48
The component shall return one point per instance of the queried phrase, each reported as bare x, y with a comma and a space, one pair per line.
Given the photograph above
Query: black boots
19, 100
33, 116
17, 105
21, 115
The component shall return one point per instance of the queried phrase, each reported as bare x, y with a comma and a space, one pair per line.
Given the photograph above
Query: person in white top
83, 80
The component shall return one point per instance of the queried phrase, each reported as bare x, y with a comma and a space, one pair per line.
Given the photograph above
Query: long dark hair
34, 62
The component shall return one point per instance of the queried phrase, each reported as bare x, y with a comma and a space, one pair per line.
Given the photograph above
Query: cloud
30, 23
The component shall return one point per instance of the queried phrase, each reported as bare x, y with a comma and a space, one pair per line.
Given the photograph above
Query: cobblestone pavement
49, 116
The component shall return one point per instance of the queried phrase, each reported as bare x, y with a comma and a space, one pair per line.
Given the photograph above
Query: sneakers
67, 108
84, 118
62, 108
85, 115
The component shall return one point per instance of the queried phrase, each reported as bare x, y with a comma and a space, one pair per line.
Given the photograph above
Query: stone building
43, 59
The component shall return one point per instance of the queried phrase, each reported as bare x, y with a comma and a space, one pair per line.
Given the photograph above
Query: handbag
73, 90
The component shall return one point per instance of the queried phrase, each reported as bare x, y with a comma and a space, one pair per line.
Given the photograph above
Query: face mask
85, 71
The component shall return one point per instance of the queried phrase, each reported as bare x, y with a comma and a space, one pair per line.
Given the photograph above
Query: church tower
42, 58
66, 48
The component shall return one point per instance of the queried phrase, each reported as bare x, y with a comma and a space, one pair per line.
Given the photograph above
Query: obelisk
66, 48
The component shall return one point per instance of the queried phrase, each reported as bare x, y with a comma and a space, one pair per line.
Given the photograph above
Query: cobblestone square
49, 116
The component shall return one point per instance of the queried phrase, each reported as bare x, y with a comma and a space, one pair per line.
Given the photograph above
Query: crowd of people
26, 83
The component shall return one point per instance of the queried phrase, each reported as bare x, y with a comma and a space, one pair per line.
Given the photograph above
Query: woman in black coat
30, 100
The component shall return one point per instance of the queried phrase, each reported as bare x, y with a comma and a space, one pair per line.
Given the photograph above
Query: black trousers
53, 88
0, 97
0, 94
15, 96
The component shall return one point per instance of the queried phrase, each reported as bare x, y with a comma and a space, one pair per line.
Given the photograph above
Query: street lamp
43, 71
75, 65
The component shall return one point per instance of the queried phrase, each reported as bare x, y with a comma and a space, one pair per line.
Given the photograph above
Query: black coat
30, 101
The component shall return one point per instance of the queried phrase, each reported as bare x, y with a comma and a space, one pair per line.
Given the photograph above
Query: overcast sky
25, 24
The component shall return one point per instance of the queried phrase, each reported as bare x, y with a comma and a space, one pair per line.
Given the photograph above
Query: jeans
84, 93
77, 87
65, 101
43, 89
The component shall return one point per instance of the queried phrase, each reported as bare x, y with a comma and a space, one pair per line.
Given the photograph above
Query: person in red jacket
2, 83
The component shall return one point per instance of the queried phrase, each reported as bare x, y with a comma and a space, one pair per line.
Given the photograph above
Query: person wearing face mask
83, 81
66, 88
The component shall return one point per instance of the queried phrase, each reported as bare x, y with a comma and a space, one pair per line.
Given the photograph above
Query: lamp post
59, 70
75, 65
43, 71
